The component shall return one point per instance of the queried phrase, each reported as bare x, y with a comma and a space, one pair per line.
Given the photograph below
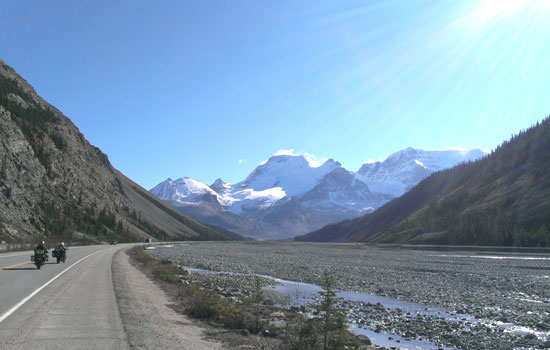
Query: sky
210, 89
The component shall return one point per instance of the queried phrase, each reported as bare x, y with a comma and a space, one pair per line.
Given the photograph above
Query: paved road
71, 305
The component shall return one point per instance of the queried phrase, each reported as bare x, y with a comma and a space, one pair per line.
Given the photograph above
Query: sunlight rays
489, 9
408, 69
481, 39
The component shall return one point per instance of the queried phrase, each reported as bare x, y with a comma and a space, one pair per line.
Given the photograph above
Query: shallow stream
302, 293
468, 281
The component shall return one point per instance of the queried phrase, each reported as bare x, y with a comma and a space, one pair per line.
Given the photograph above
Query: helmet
62, 243
42, 242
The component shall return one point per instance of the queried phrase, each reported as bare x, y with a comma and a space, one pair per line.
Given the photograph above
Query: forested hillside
502, 199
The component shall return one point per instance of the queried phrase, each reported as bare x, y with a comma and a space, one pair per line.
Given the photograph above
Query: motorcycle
39, 258
60, 255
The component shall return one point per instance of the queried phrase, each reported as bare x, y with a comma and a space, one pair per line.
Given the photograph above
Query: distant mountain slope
53, 183
404, 169
502, 199
289, 195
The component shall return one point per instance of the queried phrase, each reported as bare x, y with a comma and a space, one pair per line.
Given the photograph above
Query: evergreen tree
332, 320
258, 300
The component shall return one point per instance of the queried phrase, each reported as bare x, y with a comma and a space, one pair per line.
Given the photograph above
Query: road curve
61, 306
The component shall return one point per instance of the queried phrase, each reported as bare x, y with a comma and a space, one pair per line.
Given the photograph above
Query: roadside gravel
148, 320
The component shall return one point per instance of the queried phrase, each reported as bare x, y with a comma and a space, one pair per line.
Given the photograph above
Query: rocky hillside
502, 199
54, 184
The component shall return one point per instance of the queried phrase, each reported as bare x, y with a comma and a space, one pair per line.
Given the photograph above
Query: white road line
22, 302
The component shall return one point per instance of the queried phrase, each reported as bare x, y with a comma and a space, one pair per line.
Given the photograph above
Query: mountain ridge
310, 193
54, 184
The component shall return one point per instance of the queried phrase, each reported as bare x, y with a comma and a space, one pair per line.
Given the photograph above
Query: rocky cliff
55, 184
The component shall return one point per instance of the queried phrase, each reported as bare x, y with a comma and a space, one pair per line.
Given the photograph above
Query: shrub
328, 331
207, 305
141, 256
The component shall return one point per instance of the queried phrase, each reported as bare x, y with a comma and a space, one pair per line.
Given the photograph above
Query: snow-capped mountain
279, 177
184, 190
404, 169
294, 174
290, 194
340, 188
221, 187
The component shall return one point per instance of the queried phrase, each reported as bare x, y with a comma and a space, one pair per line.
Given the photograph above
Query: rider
62, 247
42, 245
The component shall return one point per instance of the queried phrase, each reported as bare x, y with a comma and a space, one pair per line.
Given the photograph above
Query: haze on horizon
209, 89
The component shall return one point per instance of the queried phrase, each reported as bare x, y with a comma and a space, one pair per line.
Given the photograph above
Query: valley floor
464, 299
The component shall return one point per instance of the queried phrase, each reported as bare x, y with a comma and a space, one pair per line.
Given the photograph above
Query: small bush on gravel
207, 305
139, 254
301, 334
165, 273
170, 277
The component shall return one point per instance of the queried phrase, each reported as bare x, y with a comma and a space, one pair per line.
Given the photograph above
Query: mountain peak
295, 160
331, 161
181, 189
220, 186
295, 174
219, 181
403, 169
301, 158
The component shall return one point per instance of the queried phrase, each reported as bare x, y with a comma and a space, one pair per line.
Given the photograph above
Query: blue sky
211, 88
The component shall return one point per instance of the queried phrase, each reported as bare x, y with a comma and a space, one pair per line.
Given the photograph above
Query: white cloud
241, 161
285, 152
313, 160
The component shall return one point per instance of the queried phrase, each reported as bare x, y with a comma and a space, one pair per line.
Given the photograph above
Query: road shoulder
148, 320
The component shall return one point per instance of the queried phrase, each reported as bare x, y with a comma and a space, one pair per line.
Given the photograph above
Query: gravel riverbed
489, 300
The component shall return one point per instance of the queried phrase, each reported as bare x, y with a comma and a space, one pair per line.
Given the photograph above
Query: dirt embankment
148, 320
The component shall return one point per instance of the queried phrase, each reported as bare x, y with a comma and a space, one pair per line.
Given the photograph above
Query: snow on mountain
280, 176
220, 186
295, 174
402, 170
291, 194
340, 188
249, 199
184, 190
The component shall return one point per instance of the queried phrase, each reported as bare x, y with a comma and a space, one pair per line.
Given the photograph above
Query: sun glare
489, 9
